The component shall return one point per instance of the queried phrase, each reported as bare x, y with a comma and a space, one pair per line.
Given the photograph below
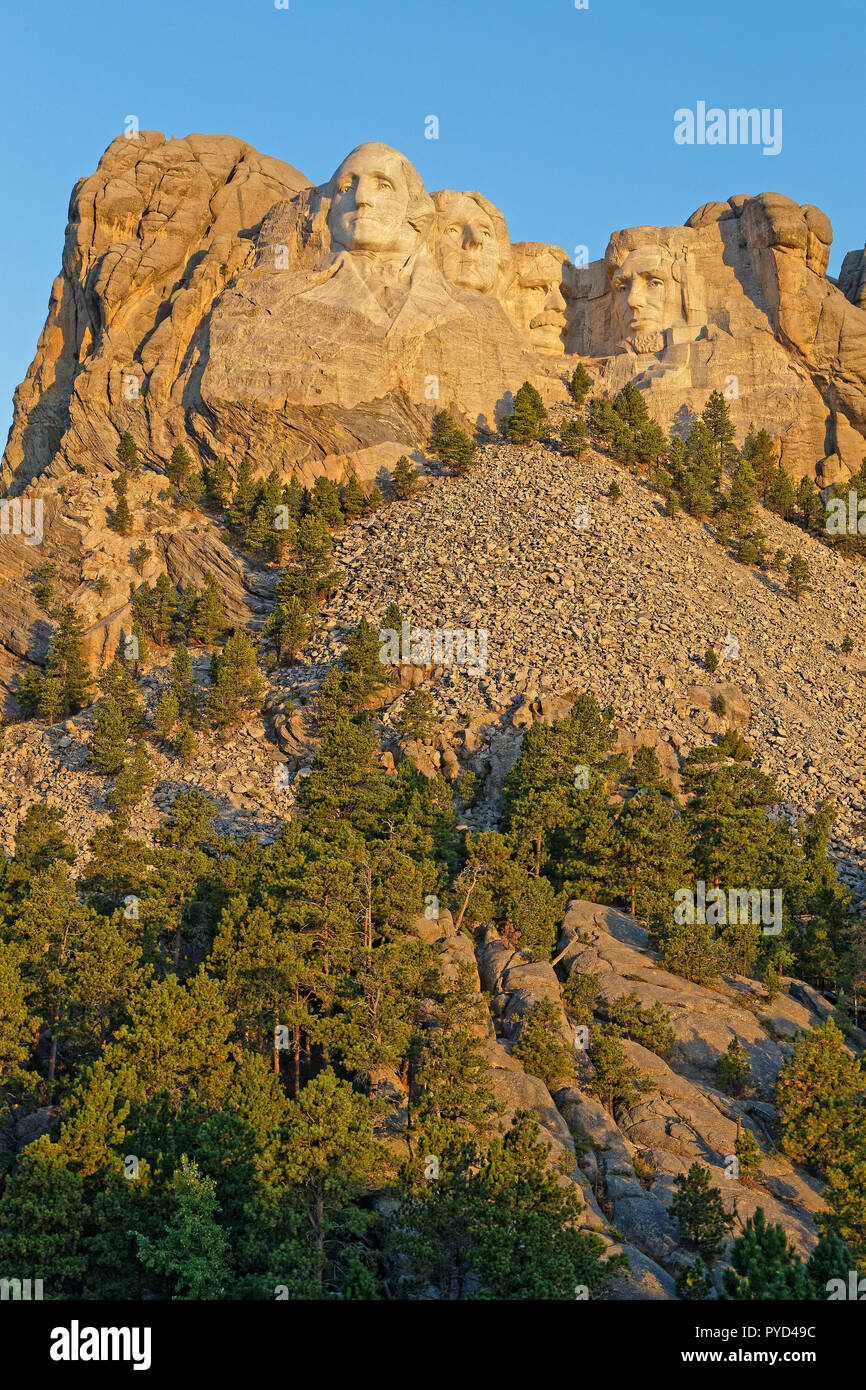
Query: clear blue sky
562, 117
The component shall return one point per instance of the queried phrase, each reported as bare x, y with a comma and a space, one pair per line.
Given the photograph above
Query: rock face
153, 236
211, 294
736, 300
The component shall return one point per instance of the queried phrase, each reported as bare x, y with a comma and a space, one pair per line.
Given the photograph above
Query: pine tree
763, 1264
748, 1154
353, 502
743, 494
780, 496
218, 482
50, 698
289, 628
180, 466
116, 682
182, 681
185, 743
699, 1210
452, 445
581, 384
108, 745
528, 420
760, 452
539, 1046
66, 660
236, 686
417, 721
818, 1095
631, 407
799, 576
404, 478
210, 620
716, 417
121, 517
573, 438
325, 502
166, 715
614, 1080
127, 453
733, 1068
133, 782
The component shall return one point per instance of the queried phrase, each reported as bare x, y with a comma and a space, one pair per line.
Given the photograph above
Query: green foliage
799, 577
451, 445
540, 1047
127, 453
573, 438
581, 384
404, 478
236, 685
417, 720
614, 1080
700, 1213
819, 1097
763, 1264
733, 1068
528, 419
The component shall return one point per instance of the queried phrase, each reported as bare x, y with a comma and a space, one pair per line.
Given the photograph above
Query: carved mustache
549, 318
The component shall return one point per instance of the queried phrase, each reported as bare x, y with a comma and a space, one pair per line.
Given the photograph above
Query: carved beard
646, 342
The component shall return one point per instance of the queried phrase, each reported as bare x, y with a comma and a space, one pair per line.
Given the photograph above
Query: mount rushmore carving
212, 295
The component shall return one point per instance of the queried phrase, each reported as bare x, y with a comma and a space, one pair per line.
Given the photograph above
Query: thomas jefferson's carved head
471, 239
378, 204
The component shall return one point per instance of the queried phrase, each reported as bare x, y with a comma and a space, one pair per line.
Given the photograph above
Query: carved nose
554, 298
471, 237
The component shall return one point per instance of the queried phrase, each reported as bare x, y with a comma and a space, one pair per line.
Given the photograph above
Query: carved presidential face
369, 202
641, 288
467, 242
535, 299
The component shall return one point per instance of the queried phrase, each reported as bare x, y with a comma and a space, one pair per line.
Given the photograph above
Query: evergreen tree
404, 478
127, 453
133, 782
780, 496
236, 686
763, 1264
108, 745
759, 451
528, 420
748, 1154
66, 660
352, 499
733, 1068
539, 1046
819, 1091
581, 384
698, 1209
218, 482
717, 419
289, 628
182, 681
121, 517
573, 438
166, 715
799, 577
180, 466
614, 1080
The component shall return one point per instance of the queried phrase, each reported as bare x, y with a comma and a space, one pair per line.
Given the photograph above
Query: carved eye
384, 184
657, 284
453, 231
